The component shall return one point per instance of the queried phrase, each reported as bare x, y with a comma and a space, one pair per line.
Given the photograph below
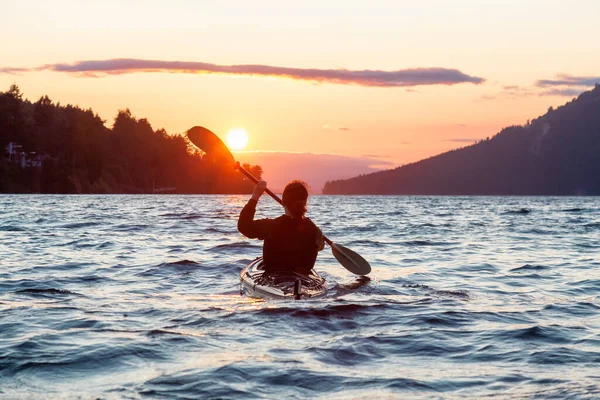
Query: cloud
568, 80
372, 78
565, 86
565, 92
518, 91
315, 169
343, 129
11, 71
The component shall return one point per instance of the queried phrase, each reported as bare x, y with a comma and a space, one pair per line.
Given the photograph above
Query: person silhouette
291, 241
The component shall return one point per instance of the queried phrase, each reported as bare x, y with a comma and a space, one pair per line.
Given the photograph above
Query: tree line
81, 155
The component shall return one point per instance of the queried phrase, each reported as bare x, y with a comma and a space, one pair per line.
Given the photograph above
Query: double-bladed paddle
214, 148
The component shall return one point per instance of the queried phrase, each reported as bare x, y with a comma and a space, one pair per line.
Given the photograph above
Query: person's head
294, 198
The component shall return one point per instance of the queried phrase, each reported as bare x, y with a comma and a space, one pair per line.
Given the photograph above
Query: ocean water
106, 297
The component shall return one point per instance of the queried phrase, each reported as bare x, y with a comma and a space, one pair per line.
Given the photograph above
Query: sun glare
237, 139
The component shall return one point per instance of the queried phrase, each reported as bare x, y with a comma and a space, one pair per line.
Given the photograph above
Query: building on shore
16, 155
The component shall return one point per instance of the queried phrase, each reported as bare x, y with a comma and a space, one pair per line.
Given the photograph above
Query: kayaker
292, 240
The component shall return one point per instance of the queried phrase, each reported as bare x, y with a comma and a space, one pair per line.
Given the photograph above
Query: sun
237, 138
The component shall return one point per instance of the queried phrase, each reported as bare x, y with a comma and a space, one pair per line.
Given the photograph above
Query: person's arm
320, 240
246, 224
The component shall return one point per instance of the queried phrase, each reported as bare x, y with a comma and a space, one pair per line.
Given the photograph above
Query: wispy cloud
565, 92
372, 78
8, 70
568, 80
333, 128
562, 86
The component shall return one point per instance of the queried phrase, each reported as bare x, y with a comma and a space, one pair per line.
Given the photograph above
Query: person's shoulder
309, 222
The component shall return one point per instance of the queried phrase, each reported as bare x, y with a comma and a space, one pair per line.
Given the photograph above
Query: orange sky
442, 73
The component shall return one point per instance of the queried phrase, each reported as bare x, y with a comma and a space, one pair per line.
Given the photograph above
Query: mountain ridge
557, 153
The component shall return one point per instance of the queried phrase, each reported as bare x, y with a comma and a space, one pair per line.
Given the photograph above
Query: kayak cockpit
256, 282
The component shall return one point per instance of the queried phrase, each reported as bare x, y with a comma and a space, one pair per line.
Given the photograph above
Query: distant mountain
315, 169
555, 154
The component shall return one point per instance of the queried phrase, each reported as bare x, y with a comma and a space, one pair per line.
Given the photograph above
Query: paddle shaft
270, 193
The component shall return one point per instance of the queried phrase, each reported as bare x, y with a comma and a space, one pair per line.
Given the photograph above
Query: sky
345, 86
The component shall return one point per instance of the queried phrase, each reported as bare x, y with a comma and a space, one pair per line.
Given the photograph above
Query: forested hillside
555, 154
50, 148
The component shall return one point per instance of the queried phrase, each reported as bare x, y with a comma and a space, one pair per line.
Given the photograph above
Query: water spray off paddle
214, 148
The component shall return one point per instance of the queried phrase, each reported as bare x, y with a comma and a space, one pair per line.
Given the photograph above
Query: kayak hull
255, 282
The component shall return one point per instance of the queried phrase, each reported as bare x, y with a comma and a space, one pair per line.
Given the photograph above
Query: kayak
255, 282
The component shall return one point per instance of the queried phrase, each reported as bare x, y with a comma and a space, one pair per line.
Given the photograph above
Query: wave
343, 310
580, 309
564, 355
72, 362
192, 216
12, 228
371, 228
170, 215
130, 227
366, 242
521, 211
347, 355
528, 267
79, 225
478, 268
182, 266
234, 246
538, 334
175, 335
219, 230
105, 245
457, 294
592, 225
390, 213
427, 243
267, 382
48, 291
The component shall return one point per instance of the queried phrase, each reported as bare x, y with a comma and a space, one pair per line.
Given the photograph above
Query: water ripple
138, 296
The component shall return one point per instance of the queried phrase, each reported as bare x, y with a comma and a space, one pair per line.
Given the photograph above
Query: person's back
292, 241
291, 245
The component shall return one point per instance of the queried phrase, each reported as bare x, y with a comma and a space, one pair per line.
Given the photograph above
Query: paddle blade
210, 143
350, 260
